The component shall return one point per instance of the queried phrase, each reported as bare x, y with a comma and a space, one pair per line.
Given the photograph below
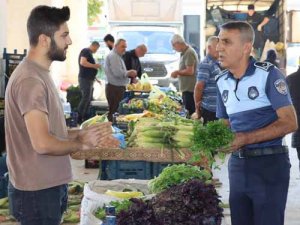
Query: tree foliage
94, 9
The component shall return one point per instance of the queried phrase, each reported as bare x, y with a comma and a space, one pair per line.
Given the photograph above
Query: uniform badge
281, 87
253, 93
266, 66
225, 96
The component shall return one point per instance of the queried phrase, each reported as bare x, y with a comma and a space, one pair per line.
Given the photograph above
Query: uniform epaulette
266, 66
220, 75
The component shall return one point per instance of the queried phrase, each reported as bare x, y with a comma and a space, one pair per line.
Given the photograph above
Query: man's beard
55, 53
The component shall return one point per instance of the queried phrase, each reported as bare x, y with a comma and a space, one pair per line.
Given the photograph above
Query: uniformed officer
254, 99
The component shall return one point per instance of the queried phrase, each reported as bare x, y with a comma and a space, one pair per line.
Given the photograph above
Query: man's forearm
55, 147
279, 128
186, 72
88, 65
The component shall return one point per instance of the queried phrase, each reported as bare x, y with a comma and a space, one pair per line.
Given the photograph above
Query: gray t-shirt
188, 58
31, 88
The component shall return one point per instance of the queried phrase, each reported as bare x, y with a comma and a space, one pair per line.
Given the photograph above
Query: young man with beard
38, 142
254, 100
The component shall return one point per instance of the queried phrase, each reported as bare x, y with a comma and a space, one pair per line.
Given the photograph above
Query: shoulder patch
222, 73
266, 66
281, 86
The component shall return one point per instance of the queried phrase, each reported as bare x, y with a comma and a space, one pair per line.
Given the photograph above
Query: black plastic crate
158, 167
119, 169
136, 94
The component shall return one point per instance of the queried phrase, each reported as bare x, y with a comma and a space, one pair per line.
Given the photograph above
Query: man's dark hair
109, 37
95, 43
246, 30
45, 20
251, 7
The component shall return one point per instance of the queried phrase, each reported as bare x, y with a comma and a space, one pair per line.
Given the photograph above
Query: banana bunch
94, 120
124, 195
145, 86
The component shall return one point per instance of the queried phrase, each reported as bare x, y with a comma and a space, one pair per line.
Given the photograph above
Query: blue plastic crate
117, 169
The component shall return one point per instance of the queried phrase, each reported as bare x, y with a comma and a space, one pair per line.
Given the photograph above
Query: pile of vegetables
190, 203
155, 133
177, 174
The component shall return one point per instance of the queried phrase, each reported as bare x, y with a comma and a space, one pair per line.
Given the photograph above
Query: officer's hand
238, 142
198, 112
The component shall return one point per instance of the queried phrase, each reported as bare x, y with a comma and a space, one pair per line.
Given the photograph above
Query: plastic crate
157, 167
117, 169
136, 94
125, 111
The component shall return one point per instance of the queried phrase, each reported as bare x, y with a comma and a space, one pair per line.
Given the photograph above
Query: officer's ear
247, 48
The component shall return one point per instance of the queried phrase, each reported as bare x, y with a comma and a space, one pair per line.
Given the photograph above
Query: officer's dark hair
45, 20
95, 43
246, 30
109, 37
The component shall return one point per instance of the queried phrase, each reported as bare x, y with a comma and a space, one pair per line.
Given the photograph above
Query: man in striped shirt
205, 93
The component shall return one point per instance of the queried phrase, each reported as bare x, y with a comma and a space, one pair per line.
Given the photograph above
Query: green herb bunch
208, 139
177, 174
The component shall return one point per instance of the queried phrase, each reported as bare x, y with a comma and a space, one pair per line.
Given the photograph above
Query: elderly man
132, 61
117, 76
205, 89
254, 100
187, 71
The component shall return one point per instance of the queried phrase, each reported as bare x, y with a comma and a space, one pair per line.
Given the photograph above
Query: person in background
205, 94
109, 41
88, 69
254, 100
117, 77
38, 143
187, 71
293, 81
272, 57
132, 61
257, 22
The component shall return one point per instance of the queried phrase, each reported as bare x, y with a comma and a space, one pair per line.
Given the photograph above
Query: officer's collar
249, 71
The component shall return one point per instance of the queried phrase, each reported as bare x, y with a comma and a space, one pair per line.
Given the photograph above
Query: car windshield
157, 42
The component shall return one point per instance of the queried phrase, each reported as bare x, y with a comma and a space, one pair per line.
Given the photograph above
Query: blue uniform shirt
207, 71
250, 103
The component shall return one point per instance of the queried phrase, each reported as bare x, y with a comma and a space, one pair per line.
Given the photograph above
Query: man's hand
131, 73
259, 28
240, 140
174, 74
98, 135
97, 66
198, 112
